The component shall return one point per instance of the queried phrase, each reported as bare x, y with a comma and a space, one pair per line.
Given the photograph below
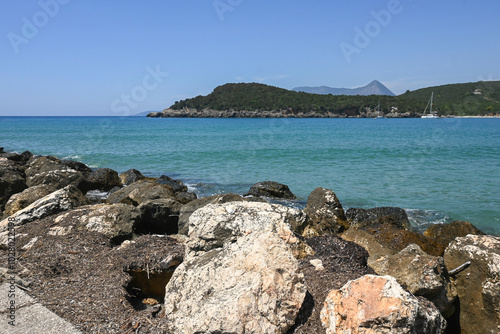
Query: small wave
73, 157
421, 219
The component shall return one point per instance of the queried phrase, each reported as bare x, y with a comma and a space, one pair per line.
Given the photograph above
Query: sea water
438, 170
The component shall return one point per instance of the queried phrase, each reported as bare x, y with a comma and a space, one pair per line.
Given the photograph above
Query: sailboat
431, 114
378, 111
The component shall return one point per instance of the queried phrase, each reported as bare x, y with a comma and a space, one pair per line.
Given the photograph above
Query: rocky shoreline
153, 258
210, 113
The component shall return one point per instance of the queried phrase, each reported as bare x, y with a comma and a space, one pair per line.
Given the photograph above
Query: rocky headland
286, 113
151, 257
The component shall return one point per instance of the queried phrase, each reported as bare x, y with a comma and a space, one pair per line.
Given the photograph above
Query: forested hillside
456, 99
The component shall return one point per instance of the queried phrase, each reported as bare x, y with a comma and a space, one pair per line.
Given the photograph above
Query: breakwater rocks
288, 113
150, 257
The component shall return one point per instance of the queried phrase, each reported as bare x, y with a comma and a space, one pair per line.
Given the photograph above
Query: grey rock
28, 196
215, 225
159, 216
359, 218
139, 192
12, 180
271, 189
101, 179
188, 209
478, 284
325, 213
130, 176
115, 221
61, 200
51, 171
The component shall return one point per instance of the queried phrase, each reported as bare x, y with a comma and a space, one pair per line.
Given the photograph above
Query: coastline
211, 113
155, 227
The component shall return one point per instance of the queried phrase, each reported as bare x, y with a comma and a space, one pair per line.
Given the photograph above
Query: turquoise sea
438, 170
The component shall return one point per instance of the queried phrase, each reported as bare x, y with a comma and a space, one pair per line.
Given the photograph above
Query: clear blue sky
75, 57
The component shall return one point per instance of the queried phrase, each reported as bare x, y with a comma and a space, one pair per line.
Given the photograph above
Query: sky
99, 58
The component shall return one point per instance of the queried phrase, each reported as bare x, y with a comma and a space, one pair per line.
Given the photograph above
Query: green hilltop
478, 98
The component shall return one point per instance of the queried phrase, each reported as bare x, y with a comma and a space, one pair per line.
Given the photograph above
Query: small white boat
378, 111
431, 114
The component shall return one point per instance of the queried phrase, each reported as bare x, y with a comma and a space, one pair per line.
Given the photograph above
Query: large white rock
250, 286
215, 225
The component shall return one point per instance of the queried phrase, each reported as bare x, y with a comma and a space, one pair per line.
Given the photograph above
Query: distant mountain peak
373, 88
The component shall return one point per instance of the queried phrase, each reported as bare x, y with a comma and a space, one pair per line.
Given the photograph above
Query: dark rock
325, 213
271, 189
398, 238
101, 179
443, 234
189, 208
159, 216
141, 191
76, 165
478, 285
130, 176
176, 185
22, 158
185, 197
51, 171
12, 180
359, 218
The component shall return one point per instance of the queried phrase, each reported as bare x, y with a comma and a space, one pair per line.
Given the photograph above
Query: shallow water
438, 170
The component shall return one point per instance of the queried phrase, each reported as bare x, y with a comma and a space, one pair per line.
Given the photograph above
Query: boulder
51, 171
398, 238
378, 304
270, 189
61, 200
139, 192
130, 176
185, 197
12, 180
116, 221
217, 224
443, 234
422, 274
188, 209
77, 165
252, 285
478, 285
21, 159
359, 218
159, 216
101, 179
374, 247
325, 213
28, 196
176, 185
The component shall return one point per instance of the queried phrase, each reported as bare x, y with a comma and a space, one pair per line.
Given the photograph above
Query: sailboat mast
432, 95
